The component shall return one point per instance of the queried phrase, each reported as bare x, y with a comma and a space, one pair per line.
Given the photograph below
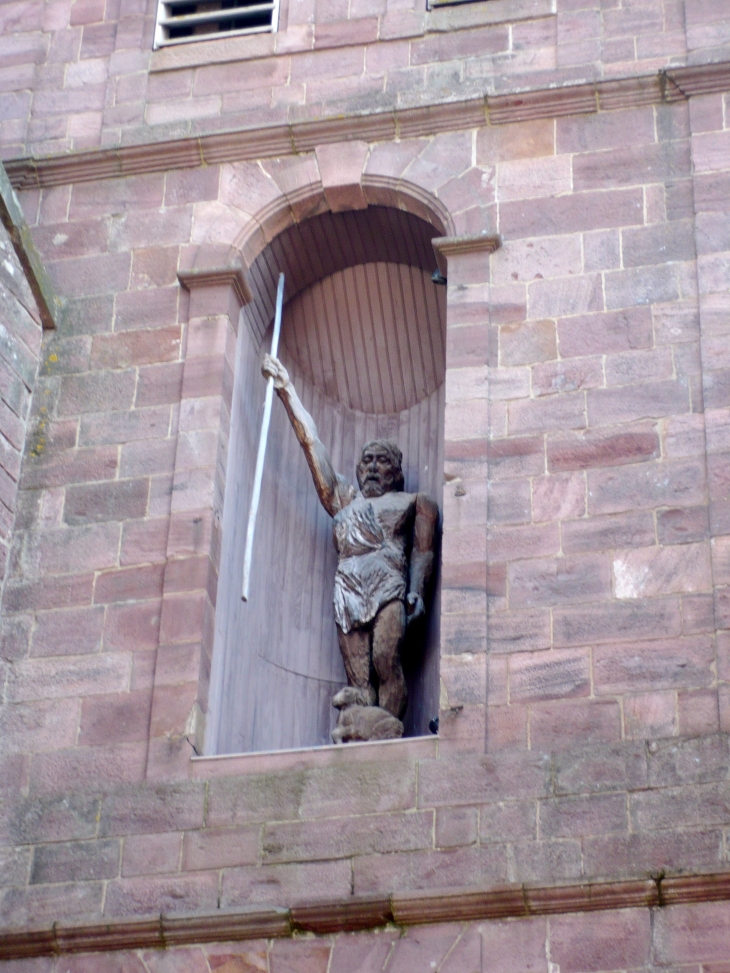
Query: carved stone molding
233, 277
453, 246
365, 912
669, 85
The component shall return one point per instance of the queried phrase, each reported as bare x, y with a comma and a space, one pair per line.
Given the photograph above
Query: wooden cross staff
259, 472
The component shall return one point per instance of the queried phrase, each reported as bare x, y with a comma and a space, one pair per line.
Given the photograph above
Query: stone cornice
452, 246
669, 85
233, 277
359, 913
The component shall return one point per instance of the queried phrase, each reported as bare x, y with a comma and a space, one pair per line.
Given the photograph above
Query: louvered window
180, 21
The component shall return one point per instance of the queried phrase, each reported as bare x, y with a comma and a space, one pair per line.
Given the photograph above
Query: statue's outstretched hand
272, 368
414, 607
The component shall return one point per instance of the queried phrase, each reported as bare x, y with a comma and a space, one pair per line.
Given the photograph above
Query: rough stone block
344, 837
75, 862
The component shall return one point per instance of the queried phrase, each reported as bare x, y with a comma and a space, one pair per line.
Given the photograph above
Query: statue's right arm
332, 489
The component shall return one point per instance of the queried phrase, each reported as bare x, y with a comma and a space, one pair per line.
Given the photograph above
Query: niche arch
363, 336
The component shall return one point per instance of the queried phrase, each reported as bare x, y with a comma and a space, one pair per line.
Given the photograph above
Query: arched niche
363, 338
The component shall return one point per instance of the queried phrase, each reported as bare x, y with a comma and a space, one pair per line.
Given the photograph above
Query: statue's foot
361, 723
353, 696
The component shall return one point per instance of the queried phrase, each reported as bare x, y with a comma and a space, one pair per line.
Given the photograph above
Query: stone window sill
273, 761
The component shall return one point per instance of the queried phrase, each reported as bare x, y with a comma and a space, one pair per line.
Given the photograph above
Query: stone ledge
234, 277
272, 141
276, 761
365, 912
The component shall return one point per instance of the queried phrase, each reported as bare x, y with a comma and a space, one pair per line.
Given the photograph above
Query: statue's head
380, 468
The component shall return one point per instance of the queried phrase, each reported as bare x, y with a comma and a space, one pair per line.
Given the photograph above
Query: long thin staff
259, 473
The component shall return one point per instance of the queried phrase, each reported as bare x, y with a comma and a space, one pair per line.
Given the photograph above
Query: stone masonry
585, 618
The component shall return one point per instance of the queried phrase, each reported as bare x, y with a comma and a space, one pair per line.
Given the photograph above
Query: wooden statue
385, 545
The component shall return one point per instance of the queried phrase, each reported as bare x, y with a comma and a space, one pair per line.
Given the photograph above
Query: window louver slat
183, 21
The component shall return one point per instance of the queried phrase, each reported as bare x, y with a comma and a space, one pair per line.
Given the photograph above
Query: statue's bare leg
388, 630
355, 649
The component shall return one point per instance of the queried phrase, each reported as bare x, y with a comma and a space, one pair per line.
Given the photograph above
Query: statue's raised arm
333, 490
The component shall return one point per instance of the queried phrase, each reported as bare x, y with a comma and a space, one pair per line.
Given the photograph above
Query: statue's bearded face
377, 473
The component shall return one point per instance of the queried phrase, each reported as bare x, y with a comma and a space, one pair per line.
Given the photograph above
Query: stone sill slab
275, 761
668, 86
360, 913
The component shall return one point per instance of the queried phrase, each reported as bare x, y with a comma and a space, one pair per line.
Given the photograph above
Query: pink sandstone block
69, 632
549, 675
455, 827
132, 627
520, 631
40, 905
618, 855
151, 854
574, 212
540, 582
343, 837
68, 676
453, 868
361, 951
90, 767
39, 726
299, 957
171, 708
648, 715
159, 384
657, 664
154, 267
651, 571
221, 848
689, 933
285, 884
508, 821
598, 447
144, 895
120, 718
189, 959
600, 941
564, 724
146, 309
507, 726
475, 780
136, 348
341, 167
558, 497
129, 584
514, 946
525, 344
154, 809
424, 947
144, 541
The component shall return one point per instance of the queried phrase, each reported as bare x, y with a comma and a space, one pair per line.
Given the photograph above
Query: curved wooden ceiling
370, 336
316, 248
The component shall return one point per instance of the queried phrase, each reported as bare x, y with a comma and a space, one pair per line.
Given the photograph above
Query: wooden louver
183, 21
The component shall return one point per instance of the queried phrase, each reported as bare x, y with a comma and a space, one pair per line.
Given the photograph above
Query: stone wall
587, 332
81, 74
584, 628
